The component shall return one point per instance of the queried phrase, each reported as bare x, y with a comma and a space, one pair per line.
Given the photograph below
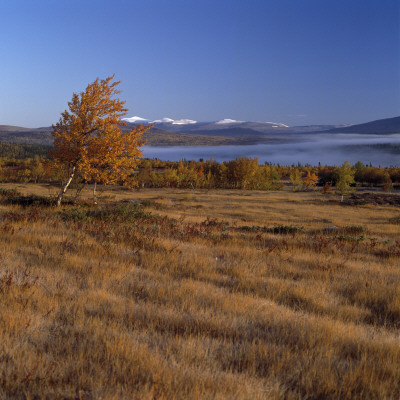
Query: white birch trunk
64, 189
94, 193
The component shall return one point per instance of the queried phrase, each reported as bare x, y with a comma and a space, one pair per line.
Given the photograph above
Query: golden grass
200, 299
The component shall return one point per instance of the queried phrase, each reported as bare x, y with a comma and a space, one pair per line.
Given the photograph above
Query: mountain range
226, 127
168, 131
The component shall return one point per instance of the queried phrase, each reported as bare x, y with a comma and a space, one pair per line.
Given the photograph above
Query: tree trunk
64, 189
78, 192
94, 193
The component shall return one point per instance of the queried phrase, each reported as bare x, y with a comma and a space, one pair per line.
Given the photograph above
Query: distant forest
21, 151
31, 163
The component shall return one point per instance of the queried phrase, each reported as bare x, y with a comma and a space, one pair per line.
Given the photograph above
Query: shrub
32, 200
353, 229
349, 238
9, 192
125, 212
286, 229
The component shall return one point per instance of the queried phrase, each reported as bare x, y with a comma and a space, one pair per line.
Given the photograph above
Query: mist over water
327, 149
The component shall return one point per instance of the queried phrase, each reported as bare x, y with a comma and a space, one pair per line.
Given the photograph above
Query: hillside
11, 128
387, 125
228, 132
158, 137
155, 137
28, 136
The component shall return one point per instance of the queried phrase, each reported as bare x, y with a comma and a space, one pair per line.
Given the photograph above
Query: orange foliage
310, 180
88, 138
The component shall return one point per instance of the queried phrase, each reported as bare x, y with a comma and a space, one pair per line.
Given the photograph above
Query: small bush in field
353, 229
214, 222
286, 229
279, 229
32, 200
349, 238
9, 192
75, 215
121, 212
126, 212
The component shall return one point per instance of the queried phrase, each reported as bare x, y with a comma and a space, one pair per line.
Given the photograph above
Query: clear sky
293, 61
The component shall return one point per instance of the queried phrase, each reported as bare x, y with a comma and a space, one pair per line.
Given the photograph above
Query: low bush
353, 229
32, 200
126, 212
286, 229
350, 238
278, 229
9, 192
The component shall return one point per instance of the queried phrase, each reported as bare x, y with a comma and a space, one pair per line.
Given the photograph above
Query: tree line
242, 173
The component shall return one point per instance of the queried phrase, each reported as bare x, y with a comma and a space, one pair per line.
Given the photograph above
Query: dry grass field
199, 295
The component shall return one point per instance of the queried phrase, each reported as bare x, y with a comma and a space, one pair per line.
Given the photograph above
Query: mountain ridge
385, 125
166, 133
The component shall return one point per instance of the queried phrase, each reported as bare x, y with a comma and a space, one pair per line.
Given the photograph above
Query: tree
88, 139
296, 179
244, 171
310, 180
345, 178
359, 169
37, 169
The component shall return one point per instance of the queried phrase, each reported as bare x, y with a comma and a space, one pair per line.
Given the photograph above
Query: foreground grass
220, 294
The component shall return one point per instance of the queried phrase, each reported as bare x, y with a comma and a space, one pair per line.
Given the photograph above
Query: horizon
220, 122
330, 63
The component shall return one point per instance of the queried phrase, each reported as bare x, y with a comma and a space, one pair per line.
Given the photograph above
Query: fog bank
327, 149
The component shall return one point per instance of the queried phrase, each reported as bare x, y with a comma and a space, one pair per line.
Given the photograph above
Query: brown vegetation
198, 294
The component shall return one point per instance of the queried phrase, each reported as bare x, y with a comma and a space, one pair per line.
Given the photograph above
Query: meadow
198, 294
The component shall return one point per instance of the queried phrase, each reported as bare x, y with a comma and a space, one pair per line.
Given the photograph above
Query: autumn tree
244, 170
89, 141
296, 179
310, 180
37, 169
345, 179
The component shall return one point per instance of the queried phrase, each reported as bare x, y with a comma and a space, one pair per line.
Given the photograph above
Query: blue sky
293, 61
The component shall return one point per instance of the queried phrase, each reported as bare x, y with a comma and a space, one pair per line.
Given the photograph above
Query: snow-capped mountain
190, 125
225, 127
135, 119
183, 122
227, 121
277, 125
163, 120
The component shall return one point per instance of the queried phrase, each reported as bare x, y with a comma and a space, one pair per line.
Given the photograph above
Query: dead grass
199, 295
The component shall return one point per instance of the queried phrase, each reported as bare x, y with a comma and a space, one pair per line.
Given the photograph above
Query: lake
324, 148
